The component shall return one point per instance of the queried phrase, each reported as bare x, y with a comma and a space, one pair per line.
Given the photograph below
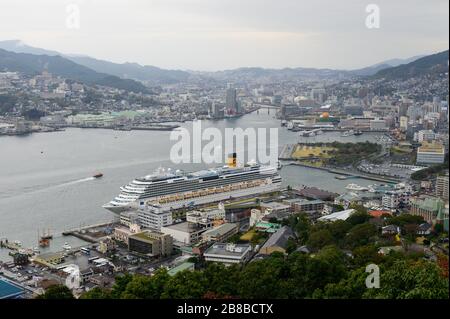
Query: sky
209, 35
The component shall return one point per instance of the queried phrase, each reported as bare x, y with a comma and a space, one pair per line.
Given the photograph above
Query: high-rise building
215, 111
404, 123
442, 187
231, 101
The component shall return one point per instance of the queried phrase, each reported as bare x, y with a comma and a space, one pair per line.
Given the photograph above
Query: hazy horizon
219, 35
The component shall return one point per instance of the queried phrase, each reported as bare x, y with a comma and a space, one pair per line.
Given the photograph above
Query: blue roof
9, 290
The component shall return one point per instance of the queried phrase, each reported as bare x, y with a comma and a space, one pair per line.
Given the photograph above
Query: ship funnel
232, 161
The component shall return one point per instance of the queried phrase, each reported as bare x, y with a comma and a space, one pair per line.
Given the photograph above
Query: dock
16, 248
82, 234
344, 174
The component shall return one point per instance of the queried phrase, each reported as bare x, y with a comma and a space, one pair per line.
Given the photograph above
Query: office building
228, 253
231, 102
186, 233
430, 153
154, 217
442, 187
151, 243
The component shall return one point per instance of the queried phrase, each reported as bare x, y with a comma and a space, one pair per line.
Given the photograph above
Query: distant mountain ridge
429, 65
373, 69
151, 74
156, 76
32, 64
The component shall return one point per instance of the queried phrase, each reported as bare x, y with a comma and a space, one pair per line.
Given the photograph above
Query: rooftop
275, 205
342, 215
279, 238
181, 267
220, 230
184, 226
230, 250
146, 235
431, 148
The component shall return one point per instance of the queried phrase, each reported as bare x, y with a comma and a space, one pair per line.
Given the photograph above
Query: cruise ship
173, 190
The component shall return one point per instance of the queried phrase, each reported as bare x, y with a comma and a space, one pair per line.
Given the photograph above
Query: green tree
364, 255
361, 235
408, 279
57, 292
185, 285
358, 217
319, 239
339, 229
352, 287
96, 293
120, 285
221, 280
263, 279
291, 245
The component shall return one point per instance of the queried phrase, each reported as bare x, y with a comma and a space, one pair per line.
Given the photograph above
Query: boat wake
75, 182
42, 188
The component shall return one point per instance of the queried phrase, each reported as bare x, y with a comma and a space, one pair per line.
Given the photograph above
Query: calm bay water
46, 183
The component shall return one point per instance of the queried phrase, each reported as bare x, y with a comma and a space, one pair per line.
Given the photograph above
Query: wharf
343, 173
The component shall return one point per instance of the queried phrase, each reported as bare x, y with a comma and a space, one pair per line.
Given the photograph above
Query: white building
431, 153
442, 187
342, 215
228, 253
154, 217
392, 200
424, 136
255, 216
404, 122
184, 233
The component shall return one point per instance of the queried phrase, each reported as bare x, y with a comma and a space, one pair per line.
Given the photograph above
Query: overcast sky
224, 34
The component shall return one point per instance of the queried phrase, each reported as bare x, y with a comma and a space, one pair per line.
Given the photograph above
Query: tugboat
98, 175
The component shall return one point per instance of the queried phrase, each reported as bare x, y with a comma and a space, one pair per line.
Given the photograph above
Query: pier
82, 234
4, 243
342, 173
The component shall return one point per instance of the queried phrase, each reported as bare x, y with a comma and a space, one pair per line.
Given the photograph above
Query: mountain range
151, 74
17, 56
33, 64
430, 65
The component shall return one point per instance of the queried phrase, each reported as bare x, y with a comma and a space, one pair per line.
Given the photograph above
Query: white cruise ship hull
200, 200
118, 209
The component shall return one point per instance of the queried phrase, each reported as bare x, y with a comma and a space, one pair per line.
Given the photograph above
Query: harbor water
46, 178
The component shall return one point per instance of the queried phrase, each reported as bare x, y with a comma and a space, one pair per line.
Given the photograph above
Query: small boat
348, 133
66, 246
355, 187
98, 175
358, 132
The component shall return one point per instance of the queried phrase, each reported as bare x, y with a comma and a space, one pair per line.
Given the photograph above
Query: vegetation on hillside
336, 268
